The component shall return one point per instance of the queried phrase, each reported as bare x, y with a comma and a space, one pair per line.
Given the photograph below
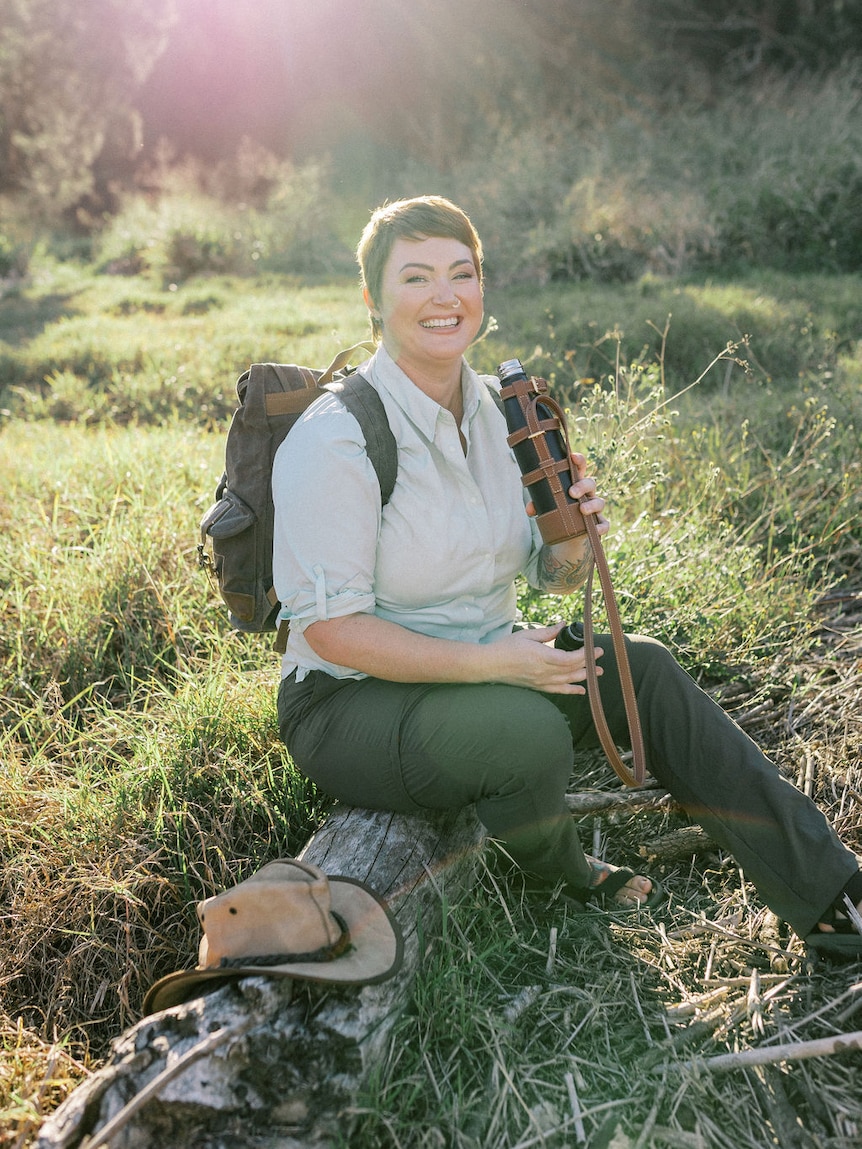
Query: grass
142, 770
529, 1025
110, 350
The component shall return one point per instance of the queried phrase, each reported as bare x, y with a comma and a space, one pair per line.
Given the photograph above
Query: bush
13, 257
770, 177
285, 225
793, 332
792, 197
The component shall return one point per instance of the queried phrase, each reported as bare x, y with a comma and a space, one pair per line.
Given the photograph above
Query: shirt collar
419, 408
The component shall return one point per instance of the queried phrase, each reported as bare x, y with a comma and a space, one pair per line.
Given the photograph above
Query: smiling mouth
451, 321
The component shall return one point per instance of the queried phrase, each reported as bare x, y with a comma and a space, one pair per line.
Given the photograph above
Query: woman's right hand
525, 659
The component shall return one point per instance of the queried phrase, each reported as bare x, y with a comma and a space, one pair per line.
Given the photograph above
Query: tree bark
274, 1064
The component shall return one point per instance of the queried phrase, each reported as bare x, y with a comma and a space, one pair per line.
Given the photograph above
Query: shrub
286, 224
13, 257
770, 176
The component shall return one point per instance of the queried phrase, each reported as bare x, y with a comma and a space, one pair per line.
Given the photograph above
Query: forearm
386, 650
563, 568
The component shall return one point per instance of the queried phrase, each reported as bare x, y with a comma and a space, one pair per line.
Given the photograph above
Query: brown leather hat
288, 920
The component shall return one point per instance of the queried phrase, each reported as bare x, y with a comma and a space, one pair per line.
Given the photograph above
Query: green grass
141, 765
105, 349
75, 345
791, 329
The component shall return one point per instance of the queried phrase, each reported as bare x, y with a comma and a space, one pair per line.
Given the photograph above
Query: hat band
324, 954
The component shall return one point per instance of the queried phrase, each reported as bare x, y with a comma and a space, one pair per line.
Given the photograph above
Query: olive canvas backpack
235, 546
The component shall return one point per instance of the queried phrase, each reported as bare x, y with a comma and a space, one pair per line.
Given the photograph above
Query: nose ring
457, 303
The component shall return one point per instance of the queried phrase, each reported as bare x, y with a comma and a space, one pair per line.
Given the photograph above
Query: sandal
842, 943
605, 882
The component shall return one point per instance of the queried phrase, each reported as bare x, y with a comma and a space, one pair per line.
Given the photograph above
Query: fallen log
678, 844
268, 1062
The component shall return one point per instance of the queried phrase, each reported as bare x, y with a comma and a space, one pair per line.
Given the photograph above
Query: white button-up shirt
440, 558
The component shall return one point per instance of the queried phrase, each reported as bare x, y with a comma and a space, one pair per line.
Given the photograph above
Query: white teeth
453, 322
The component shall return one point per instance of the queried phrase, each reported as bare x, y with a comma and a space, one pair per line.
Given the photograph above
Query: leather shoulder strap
633, 775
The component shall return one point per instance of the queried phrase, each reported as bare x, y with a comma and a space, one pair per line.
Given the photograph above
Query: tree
68, 70
744, 37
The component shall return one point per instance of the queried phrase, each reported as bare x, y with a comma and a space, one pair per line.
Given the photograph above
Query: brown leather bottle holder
539, 439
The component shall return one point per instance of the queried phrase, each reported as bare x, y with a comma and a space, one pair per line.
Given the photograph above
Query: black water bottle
546, 470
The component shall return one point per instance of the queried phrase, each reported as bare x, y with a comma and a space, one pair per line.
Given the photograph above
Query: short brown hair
423, 217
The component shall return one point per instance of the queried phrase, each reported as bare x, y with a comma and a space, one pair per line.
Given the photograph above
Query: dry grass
35, 1077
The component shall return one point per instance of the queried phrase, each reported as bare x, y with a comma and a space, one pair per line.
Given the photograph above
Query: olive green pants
409, 747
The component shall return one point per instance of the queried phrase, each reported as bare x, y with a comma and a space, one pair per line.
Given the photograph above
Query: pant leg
410, 747
721, 778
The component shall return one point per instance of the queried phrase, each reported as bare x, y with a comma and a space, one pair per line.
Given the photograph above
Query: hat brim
376, 952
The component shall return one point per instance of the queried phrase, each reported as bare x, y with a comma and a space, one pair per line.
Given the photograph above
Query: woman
405, 685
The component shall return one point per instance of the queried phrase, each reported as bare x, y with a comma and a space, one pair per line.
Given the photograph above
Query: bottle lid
510, 369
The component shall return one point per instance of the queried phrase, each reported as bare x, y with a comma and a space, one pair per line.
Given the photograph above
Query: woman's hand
563, 567
584, 490
525, 659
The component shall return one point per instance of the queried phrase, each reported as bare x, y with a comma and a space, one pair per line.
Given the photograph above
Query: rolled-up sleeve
327, 518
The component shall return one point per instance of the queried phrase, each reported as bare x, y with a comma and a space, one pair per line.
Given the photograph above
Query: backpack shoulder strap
366, 406
495, 395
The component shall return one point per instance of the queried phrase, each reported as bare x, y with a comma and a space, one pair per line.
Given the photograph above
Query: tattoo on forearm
562, 576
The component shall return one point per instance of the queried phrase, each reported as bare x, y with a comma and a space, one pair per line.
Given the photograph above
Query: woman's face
430, 302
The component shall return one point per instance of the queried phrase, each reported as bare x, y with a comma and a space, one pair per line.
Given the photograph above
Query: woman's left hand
584, 490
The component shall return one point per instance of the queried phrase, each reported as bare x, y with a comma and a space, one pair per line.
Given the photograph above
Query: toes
635, 891
641, 884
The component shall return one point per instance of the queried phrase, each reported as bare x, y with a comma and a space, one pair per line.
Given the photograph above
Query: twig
748, 716
713, 927
645, 1136
709, 961
681, 843
833, 1004
831, 599
706, 1002
521, 1002
718, 1019
729, 982
591, 801
552, 952
786, 1122
639, 1008
754, 1003
853, 914
577, 1116
808, 784
795, 1051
